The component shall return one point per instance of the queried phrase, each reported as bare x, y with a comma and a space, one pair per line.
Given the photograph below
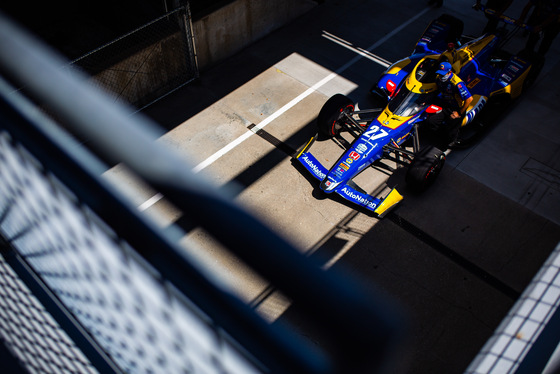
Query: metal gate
147, 63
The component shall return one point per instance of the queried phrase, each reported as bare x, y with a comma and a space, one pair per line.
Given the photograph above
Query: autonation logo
369, 202
314, 168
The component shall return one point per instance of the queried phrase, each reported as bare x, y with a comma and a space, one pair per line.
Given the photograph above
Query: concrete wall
149, 73
146, 75
233, 27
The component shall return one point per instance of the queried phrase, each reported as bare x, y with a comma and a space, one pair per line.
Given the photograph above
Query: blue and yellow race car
404, 96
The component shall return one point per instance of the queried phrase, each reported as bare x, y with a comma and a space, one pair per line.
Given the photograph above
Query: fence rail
90, 285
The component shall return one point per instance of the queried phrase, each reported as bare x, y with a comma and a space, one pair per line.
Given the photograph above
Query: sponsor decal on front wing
309, 163
351, 194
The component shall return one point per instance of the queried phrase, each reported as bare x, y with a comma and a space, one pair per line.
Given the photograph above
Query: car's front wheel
425, 168
332, 116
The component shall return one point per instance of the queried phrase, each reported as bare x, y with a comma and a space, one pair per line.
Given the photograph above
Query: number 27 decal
375, 133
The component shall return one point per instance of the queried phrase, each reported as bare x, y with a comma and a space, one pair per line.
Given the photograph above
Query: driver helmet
444, 70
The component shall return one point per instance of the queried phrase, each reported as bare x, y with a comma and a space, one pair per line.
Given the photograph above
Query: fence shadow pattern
136, 318
31, 332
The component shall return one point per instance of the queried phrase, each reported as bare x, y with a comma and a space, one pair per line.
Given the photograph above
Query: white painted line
151, 201
216, 156
210, 160
365, 53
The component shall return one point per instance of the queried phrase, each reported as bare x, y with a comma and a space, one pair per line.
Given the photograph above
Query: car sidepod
512, 78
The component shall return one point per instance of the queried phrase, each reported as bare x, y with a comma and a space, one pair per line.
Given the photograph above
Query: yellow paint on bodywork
304, 149
398, 66
460, 57
517, 85
415, 85
472, 49
389, 120
392, 199
505, 90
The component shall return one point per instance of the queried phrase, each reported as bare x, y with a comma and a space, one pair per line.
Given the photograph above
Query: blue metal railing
117, 272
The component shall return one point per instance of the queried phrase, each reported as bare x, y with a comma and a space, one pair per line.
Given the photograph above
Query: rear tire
425, 168
331, 119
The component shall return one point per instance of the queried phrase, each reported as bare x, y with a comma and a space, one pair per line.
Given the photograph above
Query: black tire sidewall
425, 168
329, 118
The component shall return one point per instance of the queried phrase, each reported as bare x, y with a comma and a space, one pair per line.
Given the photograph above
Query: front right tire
425, 168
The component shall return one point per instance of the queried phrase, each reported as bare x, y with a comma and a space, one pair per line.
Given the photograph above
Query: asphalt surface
455, 257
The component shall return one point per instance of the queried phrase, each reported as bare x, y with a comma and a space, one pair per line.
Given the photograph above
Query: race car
494, 77
404, 96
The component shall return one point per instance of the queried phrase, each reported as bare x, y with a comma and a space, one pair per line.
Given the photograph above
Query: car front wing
379, 206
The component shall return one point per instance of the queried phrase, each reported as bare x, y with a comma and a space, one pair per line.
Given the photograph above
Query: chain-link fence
147, 63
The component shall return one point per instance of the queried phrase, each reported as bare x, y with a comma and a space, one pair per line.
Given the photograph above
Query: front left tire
332, 118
